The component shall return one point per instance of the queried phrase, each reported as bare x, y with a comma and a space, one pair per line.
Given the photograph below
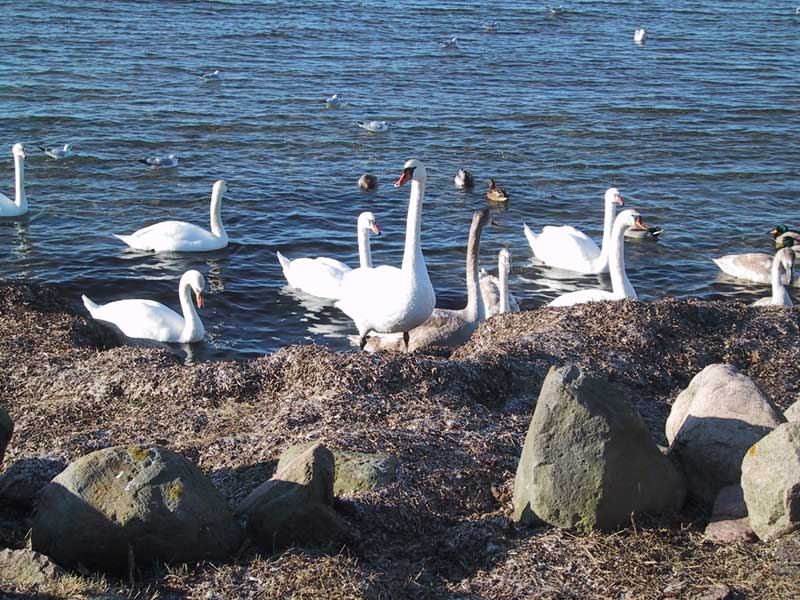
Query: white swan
448, 328
568, 248
179, 236
58, 152
387, 299
18, 206
620, 284
782, 266
322, 277
147, 319
494, 290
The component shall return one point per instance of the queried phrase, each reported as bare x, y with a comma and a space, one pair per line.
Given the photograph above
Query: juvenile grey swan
446, 327
782, 265
494, 290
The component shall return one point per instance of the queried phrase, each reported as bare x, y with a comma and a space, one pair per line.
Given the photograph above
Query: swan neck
475, 310
608, 226
193, 327
502, 276
364, 251
777, 281
412, 255
216, 220
20, 198
620, 284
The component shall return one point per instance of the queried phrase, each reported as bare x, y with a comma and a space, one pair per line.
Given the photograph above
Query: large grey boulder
588, 461
712, 424
26, 569
295, 506
145, 500
355, 471
771, 482
729, 522
6, 429
792, 414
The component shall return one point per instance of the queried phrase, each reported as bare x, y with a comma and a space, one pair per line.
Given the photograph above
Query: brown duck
496, 194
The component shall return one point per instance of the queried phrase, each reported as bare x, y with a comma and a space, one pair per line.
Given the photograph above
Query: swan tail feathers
127, 239
285, 262
530, 235
89, 304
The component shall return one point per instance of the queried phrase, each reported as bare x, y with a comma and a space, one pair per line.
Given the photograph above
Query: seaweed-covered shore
456, 424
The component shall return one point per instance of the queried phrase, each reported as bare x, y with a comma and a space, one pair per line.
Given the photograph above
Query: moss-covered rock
588, 461
141, 500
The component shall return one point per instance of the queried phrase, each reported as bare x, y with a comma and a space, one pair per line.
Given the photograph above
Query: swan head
613, 197
504, 260
18, 150
413, 169
220, 187
630, 218
195, 280
366, 221
368, 182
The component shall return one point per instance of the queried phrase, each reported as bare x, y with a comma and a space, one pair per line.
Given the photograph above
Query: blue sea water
698, 128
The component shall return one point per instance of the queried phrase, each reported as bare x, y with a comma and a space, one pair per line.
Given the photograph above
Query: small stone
26, 568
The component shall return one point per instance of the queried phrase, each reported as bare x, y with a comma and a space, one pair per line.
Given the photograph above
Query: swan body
147, 319
19, 205
639, 36
568, 248
179, 236
496, 194
373, 126
387, 299
322, 277
494, 290
620, 284
161, 162
782, 266
464, 179
58, 152
368, 183
444, 327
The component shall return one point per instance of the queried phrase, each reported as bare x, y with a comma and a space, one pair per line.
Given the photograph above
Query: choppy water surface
698, 129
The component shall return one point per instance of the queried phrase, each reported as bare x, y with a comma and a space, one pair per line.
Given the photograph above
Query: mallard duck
651, 233
496, 194
781, 232
464, 179
368, 183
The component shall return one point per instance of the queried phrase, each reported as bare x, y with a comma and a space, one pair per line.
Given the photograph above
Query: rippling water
698, 129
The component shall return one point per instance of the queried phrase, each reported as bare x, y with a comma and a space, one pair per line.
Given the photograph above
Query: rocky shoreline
455, 426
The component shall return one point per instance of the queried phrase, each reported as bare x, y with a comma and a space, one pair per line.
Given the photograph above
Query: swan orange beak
619, 201
639, 222
199, 297
375, 229
407, 174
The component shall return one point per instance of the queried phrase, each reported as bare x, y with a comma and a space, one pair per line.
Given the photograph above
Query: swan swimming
387, 299
147, 319
58, 152
568, 248
322, 276
620, 284
179, 236
19, 205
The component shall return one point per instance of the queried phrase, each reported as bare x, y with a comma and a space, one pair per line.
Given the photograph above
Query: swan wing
142, 319
490, 292
753, 266
319, 277
8, 208
566, 248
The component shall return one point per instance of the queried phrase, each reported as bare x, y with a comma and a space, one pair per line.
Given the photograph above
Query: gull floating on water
58, 152
556, 10
212, 76
334, 101
373, 125
638, 36
490, 26
451, 44
161, 162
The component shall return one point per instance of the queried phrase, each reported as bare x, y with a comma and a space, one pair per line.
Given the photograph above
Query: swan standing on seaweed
322, 276
19, 205
147, 319
568, 248
494, 290
179, 236
620, 284
446, 327
387, 299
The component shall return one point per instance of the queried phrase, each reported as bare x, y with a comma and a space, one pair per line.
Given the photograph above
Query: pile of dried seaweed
456, 425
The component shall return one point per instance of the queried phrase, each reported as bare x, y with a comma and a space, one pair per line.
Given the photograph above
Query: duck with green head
781, 232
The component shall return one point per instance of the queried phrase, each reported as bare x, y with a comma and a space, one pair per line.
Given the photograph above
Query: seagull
334, 101
451, 44
556, 10
373, 125
638, 36
212, 76
58, 152
490, 26
161, 162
